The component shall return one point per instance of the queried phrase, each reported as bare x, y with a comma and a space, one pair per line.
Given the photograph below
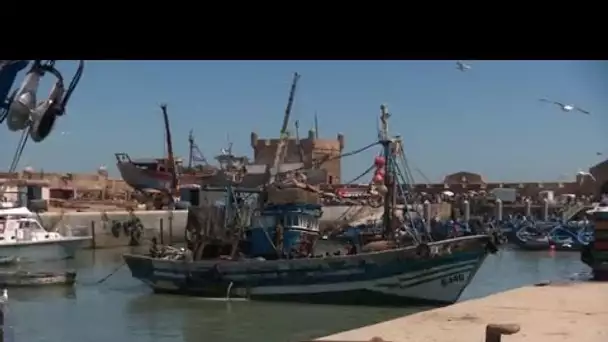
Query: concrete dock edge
552, 313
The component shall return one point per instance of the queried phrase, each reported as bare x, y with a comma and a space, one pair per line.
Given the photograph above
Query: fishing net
292, 195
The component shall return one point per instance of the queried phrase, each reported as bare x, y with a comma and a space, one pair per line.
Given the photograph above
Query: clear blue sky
487, 120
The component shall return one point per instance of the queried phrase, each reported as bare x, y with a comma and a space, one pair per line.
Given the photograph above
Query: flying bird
462, 66
585, 174
565, 107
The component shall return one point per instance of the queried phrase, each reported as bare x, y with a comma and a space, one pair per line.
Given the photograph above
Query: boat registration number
456, 278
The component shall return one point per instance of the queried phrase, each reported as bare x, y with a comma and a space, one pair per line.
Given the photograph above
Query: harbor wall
103, 225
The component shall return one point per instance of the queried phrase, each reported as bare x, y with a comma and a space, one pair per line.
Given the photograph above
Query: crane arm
281, 150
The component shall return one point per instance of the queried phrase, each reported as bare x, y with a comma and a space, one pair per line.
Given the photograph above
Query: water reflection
42, 294
123, 309
510, 269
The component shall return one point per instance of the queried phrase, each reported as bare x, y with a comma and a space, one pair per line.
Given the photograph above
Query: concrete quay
100, 224
552, 313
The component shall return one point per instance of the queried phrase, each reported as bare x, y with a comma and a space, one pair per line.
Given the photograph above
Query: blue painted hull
396, 277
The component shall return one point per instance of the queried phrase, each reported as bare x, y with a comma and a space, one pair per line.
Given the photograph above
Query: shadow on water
202, 320
123, 309
43, 294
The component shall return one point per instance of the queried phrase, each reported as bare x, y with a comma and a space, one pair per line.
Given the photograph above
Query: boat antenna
195, 154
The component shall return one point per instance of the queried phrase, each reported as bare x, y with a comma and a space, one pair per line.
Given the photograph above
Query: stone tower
313, 150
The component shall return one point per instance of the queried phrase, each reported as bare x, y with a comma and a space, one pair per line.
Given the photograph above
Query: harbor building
309, 150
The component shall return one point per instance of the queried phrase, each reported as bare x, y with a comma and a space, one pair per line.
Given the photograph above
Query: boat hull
140, 179
37, 279
65, 248
534, 245
393, 277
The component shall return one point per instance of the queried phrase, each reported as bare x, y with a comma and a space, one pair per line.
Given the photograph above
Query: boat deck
556, 312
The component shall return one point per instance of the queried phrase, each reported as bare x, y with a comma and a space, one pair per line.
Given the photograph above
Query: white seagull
585, 174
462, 66
565, 107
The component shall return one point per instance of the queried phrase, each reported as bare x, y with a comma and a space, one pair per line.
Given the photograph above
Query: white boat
22, 236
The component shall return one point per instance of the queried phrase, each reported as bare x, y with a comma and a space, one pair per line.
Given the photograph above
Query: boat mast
389, 179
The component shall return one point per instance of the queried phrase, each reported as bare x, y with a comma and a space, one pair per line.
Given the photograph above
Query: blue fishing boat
538, 236
277, 253
283, 264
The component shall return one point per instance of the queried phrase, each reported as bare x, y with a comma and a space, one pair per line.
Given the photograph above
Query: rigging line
408, 174
20, 147
327, 159
400, 156
407, 169
17, 156
426, 179
362, 175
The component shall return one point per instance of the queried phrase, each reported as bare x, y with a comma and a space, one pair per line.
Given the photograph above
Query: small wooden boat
9, 260
35, 279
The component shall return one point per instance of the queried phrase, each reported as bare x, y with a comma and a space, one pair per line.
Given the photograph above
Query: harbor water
122, 309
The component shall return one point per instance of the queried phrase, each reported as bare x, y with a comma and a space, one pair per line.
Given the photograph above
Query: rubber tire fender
116, 228
423, 250
136, 234
491, 247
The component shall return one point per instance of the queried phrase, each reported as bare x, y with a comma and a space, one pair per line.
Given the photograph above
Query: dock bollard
374, 339
494, 332
1, 324
162, 233
93, 236
171, 229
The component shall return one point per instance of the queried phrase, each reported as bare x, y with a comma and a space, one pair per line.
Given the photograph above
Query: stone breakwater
119, 228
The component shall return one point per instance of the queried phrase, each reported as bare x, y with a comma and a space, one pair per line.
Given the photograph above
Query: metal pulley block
8, 73
44, 115
23, 101
24, 111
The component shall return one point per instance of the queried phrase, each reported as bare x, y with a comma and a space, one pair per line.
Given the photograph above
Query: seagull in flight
565, 107
462, 66
585, 174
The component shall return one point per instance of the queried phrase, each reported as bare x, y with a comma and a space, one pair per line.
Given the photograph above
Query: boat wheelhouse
283, 230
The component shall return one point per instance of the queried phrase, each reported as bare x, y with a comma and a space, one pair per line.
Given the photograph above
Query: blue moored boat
300, 224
